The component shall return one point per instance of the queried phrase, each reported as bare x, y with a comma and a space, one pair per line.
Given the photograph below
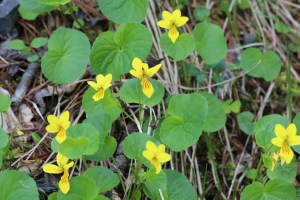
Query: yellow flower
172, 21
284, 139
62, 166
59, 125
101, 84
142, 71
156, 155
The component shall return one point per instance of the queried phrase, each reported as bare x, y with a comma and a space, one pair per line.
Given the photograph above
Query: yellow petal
294, 140
176, 14
291, 130
148, 89
99, 78
163, 157
286, 153
161, 148
137, 74
54, 124
68, 166
157, 166
148, 155
99, 95
150, 72
93, 85
52, 169
181, 21
164, 24
106, 81
61, 160
61, 135
173, 34
150, 146
280, 131
64, 119
278, 141
137, 64
52, 128
64, 184
166, 15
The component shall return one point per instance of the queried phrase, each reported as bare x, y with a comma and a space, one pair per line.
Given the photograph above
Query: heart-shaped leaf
35, 6
274, 189
67, 56
106, 149
265, 65
182, 48
188, 113
210, 42
113, 52
17, 185
123, 11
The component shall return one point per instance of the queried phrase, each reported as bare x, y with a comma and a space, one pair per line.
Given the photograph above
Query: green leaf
251, 173
181, 49
216, 116
104, 178
264, 129
245, 121
32, 58
285, 172
153, 183
202, 13
263, 65
123, 11
274, 189
210, 42
132, 92
39, 42
106, 149
67, 56
82, 139
108, 105
17, 185
188, 113
55, 3
281, 27
101, 121
53, 196
26, 14
35, 6
179, 187
113, 52
231, 106
17, 45
81, 188
135, 144
4, 102
3, 139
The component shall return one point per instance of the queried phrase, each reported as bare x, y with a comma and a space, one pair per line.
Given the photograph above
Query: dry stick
274, 40
237, 167
200, 190
228, 144
230, 9
254, 9
264, 102
26, 80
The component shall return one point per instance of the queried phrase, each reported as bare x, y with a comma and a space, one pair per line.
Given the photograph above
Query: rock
8, 15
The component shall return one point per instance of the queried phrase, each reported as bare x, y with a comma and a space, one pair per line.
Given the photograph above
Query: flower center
100, 93
65, 177
285, 149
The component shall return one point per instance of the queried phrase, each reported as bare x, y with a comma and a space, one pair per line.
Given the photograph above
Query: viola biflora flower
284, 139
142, 71
156, 155
172, 21
59, 125
101, 84
62, 167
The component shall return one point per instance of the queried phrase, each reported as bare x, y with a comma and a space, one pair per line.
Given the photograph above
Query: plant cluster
123, 77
